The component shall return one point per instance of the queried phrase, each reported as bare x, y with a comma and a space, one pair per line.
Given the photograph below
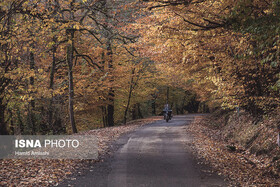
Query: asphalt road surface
155, 155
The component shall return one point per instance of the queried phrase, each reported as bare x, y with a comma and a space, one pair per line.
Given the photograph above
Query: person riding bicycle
167, 111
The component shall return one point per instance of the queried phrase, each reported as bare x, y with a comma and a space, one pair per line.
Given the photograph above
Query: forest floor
227, 156
49, 172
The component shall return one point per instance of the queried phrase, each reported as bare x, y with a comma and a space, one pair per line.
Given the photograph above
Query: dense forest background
80, 64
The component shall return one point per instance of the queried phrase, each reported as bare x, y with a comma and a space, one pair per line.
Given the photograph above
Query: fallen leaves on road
106, 135
28, 172
241, 167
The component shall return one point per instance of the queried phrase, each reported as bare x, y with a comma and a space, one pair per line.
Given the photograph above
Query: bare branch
88, 59
203, 27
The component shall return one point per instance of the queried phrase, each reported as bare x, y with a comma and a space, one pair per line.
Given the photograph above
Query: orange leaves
240, 166
193, 40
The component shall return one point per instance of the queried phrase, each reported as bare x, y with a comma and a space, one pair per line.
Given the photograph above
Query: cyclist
167, 111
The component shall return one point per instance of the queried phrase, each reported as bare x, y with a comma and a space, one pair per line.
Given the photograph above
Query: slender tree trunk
4, 82
103, 108
177, 109
50, 112
3, 127
127, 106
139, 111
70, 57
134, 112
154, 107
111, 98
53, 68
19, 121
104, 116
107, 34
12, 125
132, 84
32, 102
154, 111
182, 104
154, 96
111, 108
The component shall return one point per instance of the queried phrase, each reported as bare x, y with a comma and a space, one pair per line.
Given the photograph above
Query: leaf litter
50, 172
239, 166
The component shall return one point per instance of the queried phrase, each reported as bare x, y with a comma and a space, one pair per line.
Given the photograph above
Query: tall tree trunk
111, 108
154, 107
127, 106
103, 108
70, 57
154, 112
3, 127
139, 111
53, 67
104, 116
4, 82
134, 112
107, 34
12, 125
19, 121
111, 98
167, 95
131, 87
177, 108
32, 102
183, 104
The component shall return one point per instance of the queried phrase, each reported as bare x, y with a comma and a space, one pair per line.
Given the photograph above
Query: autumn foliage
228, 51
72, 65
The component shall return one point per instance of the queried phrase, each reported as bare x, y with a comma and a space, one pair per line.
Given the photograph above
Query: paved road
155, 155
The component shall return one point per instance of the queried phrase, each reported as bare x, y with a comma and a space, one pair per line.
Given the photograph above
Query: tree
218, 43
